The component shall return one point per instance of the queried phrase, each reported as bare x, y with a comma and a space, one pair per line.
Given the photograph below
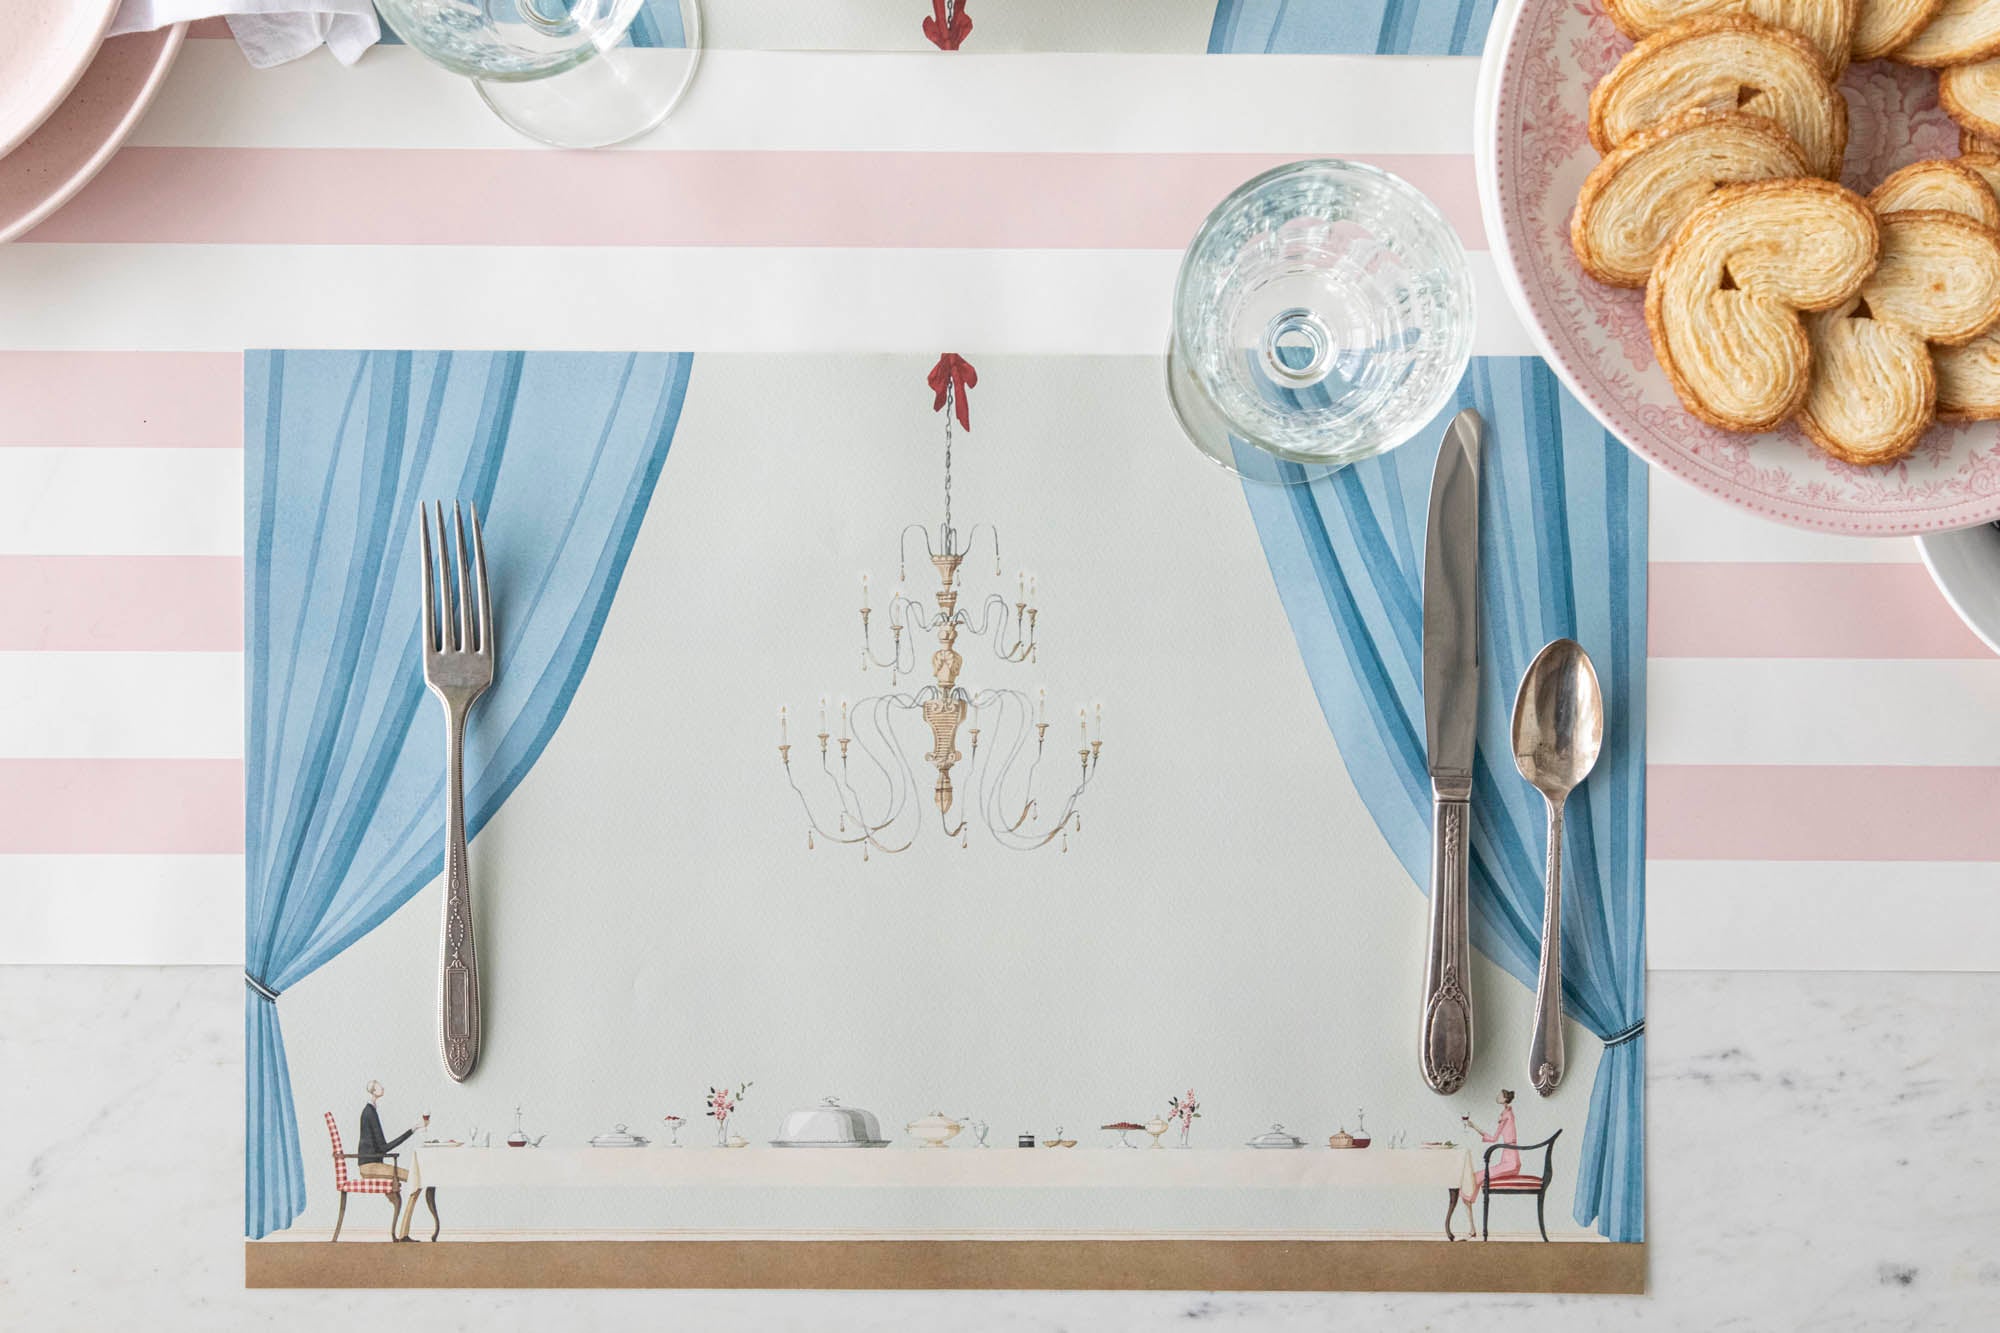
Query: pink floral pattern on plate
1551, 56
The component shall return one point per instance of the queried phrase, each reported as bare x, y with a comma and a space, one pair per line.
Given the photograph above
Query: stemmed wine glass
572, 73
1323, 315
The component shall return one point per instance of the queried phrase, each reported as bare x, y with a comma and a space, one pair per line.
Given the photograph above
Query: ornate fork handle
1445, 1043
458, 981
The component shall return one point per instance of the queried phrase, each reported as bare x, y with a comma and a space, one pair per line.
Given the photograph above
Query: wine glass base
616, 95
1211, 434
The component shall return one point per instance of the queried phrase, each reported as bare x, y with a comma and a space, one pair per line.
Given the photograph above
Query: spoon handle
1545, 1056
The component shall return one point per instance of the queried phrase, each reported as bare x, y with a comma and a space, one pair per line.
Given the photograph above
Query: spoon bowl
1558, 719
1558, 732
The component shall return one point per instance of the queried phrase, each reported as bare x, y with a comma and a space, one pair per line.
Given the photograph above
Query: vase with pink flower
721, 1105
1183, 1111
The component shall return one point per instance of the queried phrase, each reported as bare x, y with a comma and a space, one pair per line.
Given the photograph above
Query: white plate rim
1959, 560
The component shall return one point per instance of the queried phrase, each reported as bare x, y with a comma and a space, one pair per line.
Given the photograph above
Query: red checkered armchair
347, 1184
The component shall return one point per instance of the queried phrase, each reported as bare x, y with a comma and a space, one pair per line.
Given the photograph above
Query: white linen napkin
270, 32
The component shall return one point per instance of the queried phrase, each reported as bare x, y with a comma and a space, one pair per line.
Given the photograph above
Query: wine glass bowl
1322, 315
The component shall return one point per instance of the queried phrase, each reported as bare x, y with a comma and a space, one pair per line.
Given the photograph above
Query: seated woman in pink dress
1506, 1162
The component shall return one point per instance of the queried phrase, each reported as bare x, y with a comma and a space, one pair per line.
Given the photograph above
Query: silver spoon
1558, 730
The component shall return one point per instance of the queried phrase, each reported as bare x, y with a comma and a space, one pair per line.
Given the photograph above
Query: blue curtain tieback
1620, 1038
260, 988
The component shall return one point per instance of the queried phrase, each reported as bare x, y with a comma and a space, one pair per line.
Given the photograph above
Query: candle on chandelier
1031, 589
1042, 696
864, 592
822, 712
843, 719
1082, 725
784, 738
1021, 587
1100, 722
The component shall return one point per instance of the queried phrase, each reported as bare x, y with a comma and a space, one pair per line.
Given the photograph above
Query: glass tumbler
572, 73
1323, 314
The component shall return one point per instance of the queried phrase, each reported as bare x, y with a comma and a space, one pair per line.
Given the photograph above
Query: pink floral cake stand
1533, 152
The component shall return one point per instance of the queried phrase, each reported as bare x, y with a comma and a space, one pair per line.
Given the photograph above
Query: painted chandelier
989, 754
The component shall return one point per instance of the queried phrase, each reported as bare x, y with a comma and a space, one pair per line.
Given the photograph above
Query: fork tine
485, 620
463, 571
447, 620
429, 623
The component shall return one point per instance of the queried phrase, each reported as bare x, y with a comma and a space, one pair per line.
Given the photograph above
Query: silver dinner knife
1451, 724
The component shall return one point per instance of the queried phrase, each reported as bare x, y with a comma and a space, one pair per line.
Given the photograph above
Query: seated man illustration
371, 1148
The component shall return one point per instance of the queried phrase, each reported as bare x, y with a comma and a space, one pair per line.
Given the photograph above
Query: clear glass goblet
572, 73
1322, 315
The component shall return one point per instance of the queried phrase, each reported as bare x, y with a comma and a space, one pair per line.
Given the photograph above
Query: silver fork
458, 666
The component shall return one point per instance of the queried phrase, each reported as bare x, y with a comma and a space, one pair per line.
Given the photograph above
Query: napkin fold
270, 32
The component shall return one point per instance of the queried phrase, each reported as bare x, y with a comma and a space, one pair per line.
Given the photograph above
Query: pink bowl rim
143, 95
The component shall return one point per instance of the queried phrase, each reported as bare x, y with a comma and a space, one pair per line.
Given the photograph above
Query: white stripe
1684, 523
121, 909
1069, 103
1822, 711
122, 705
1701, 915
1911, 916
208, 297
78, 501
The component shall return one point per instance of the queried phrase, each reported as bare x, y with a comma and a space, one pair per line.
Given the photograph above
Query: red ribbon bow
946, 37
953, 374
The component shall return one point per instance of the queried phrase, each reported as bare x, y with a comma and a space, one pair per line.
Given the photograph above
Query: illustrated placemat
1153, 883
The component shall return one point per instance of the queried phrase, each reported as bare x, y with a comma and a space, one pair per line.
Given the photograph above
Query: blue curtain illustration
1351, 27
1562, 552
344, 785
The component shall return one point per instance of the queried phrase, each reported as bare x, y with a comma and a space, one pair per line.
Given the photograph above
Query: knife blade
1451, 724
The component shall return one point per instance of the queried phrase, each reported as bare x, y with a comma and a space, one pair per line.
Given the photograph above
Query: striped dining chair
346, 1184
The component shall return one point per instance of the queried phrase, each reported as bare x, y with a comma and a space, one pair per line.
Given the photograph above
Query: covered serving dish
1276, 1137
619, 1137
830, 1125
933, 1130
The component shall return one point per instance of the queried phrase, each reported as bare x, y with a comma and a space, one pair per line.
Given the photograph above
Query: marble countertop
1822, 1157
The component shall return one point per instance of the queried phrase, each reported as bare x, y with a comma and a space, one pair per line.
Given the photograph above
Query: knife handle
1445, 1045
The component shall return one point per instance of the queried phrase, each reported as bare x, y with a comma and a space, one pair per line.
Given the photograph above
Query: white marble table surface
1823, 1157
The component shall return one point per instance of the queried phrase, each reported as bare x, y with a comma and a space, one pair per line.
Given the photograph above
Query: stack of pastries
1772, 292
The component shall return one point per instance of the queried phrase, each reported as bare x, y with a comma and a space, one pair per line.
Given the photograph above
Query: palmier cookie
1970, 95
1830, 25
1874, 386
1638, 194
1725, 63
1938, 183
1968, 375
1884, 25
1724, 300
1962, 32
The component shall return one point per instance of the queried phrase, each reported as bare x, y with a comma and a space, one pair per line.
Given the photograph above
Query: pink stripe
182, 399
86, 603
269, 196
1801, 610
1699, 812
121, 805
